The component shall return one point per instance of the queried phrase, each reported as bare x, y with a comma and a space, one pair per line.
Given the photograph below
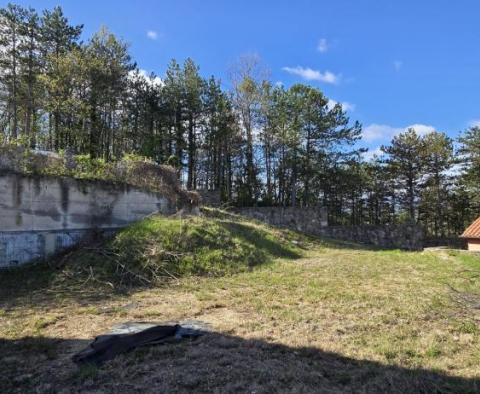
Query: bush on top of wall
133, 170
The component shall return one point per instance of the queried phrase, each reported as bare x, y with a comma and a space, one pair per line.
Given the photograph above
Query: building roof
473, 231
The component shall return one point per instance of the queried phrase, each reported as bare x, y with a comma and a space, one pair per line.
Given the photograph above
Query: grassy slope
154, 252
317, 317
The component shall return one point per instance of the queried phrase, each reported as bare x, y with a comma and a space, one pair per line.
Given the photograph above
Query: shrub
132, 169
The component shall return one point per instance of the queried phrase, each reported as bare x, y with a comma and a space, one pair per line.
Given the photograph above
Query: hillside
288, 313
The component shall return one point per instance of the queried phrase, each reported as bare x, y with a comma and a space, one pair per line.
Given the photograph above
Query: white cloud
152, 34
474, 123
322, 46
397, 65
155, 81
279, 84
376, 132
371, 153
346, 106
421, 129
313, 75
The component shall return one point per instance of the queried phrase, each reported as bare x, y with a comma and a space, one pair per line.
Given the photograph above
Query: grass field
289, 314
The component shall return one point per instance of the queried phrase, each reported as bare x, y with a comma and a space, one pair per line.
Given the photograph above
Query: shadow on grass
41, 284
213, 363
259, 239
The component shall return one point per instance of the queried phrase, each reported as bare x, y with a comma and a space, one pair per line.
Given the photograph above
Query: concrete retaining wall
40, 216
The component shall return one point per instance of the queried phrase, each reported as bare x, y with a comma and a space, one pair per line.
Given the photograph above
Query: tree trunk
14, 132
191, 154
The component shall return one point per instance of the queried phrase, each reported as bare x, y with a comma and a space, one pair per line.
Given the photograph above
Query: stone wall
400, 236
210, 198
42, 215
308, 220
314, 221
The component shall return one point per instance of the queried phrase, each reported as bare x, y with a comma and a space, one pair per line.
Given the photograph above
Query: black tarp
131, 336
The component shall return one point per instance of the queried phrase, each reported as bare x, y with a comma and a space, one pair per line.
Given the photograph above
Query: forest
251, 140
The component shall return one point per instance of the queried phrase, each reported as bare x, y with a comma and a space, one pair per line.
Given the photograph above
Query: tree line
254, 143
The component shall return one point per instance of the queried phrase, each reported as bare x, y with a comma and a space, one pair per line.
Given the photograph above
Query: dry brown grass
335, 320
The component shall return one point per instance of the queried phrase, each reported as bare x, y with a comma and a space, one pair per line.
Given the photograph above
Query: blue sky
394, 63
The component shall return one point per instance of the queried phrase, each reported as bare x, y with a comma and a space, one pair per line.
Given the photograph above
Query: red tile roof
473, 231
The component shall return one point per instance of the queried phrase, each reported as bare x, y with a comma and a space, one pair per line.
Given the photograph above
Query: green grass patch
327, 316
161, 247
157, 250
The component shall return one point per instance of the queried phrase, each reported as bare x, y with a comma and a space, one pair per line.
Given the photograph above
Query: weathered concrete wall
314, 221
42, 215
307, 220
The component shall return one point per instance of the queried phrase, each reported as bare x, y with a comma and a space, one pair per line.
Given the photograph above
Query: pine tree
438, 159
405, 160
470, 154
109, 68
12, 20
194, 91
57, 39
174, 101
